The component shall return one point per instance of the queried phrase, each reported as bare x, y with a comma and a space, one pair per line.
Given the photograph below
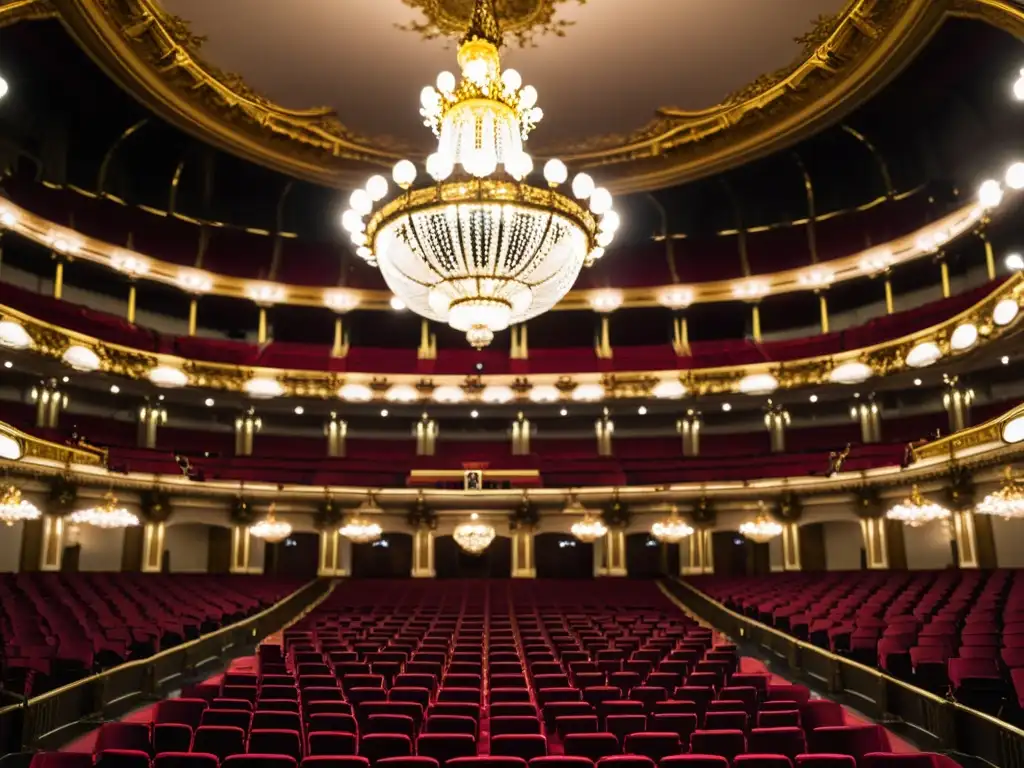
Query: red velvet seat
526, 746
219, 740
275, 741
122, 758
593, 746
727, 744
178, 760
132, 736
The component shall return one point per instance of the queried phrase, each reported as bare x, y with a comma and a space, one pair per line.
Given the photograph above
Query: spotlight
473, 414
384, 413
814, 398
1018, 87
479, 366
209, 402
917, 382
299, 410
642, 410
563, 412
160, 398
8, 364
65, 379
1005, 360
114, 389
726, 407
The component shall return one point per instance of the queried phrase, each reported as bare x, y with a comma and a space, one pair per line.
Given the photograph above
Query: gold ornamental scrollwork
522, 21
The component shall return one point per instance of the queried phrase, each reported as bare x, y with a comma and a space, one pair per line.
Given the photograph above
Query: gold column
696, 555
329, 541
153, 548
755, 314
131, 303
614, 553
523, 566
427, 349
966, 538
888, 295
240, 549
876, 546
990, 257
340, 347
52, 552
791, 547
944, 269
823, 306
423, 554
681, 336
193, 313
603, 348
58, 280
261, 333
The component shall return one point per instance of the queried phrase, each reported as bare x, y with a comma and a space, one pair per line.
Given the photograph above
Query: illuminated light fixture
341, 301
474, 414
474, 245
758, 384
926, 243
1013, 430
726, 407
877, 261
990, 193
11, 448
474, 537
670, 389
816, 278
8, 219
13, 335
384, 413
271, 529
397, 304
751, 289
544, 393
166, 376
129, 264
449, 393
918, 382
1007, 502
923, 355
1015, 176
1005, 360
676, 297
356, 393
1018, 87
564, 412
590, 528
964, 337
813, 398
209, 402
15, 509
1005, 312
672, 529
361, 529
1014, 262
299, 410
605, 301
497, 394
63, 243
81, 358
265, 293
195, 282
402, 393
762, 529
588, 393
114, 389
263, 388
107, 515
915, 510
850, 373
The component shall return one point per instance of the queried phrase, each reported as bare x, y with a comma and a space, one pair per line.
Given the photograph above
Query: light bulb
536, 115
446, 82
610, 222
3, 87
990, 194
377, 187
351, 221
596, 254
601, 201
512, 80
1015, 176
359, 238
476, 72
361, 202
404, 173
527, 98
364, 253
604, 239
519, 166
555, 172
1018, 87
430, 99
439, 166
583, 186
1014, 262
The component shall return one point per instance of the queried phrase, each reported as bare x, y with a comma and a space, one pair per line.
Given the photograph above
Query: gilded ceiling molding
883, 359
845, 60
22, 222
17, 11
522, 21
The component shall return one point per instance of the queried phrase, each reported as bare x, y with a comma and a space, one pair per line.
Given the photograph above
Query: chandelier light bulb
477, 72
446, 83
107, 515
1015, 176
1018, 87
430, 99
511, 80
527, 98
360, 530
610, 222
596, 254
1007, 502
1014, 262
604, 239
990, 193
672, 529
15, 509
359, 239
4, 87
377, 188
600, 201
915, 510
555, 172
404, 172
583, 186
361, 202
439, 166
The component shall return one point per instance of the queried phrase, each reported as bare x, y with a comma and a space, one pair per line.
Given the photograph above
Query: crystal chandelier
1007, 502
107, 515
14, 509
590, 528
271, 529
477, 247
916, 511
672, 529
762, 529
474, 537
361, 529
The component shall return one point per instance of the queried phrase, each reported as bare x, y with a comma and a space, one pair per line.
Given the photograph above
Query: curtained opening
647, 558
218, 559
562, 556
452, 562
390, 557
735, 555
296, 557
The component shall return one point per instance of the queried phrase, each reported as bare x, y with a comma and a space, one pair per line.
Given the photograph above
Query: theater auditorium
511, 384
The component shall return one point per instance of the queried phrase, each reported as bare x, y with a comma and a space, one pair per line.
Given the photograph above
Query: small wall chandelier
271, 529
477, 247
1007, 502
107, 515
14, 509
915, 510
672, 529
590, 528
361, 529
474, 537
763, 529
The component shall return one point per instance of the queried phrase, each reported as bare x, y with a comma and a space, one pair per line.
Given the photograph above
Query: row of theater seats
240, 254
956, 632
58, 627
500, 675
460, 361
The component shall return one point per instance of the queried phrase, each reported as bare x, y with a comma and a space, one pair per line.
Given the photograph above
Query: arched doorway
562, 556
390, 557
647, 558
736, 555
296, 557
452, 562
